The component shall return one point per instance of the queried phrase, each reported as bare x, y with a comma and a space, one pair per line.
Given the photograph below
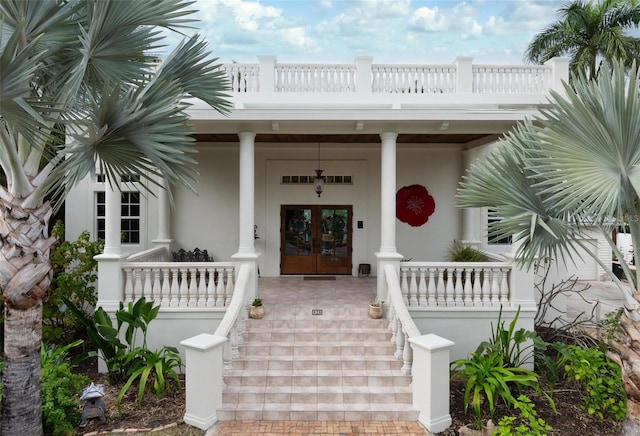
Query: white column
559, 73
247, 188
164, 218
112, 228
388, 192
246, 246
471, 216
110, 277
388, 253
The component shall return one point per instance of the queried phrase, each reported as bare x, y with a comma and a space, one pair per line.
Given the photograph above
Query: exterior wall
467, 328
80, 212
209, 220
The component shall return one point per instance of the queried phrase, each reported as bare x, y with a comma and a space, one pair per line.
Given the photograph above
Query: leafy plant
74, 275
53, 354
257, 302
511, 344
376, 302
458, 252
488, 378
156, 365
106, 337
60, 388
526, 424
138, 316
599, 377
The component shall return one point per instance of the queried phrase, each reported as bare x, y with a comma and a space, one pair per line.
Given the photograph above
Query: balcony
365, 85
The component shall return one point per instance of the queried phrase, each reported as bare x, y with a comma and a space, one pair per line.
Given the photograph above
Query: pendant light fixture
318, 181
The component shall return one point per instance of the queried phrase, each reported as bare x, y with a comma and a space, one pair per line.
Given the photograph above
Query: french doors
315, 239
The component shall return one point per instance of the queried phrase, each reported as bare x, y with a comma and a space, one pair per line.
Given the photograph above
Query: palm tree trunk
25, 275
21, 387
626, 353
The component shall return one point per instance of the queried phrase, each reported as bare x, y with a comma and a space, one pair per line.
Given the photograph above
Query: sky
392, 31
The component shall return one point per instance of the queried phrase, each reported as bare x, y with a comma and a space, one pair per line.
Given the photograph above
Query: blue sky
392, 31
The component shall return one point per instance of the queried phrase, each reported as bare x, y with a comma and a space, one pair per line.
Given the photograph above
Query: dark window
129, 216
492, 218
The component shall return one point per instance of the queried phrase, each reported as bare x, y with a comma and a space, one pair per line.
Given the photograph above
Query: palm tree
577, 163
589, 32
81, 70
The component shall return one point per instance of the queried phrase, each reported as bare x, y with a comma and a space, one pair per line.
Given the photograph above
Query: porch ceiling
365, 138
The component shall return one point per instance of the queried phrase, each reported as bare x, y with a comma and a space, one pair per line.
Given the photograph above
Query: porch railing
156, 254
362, 76
180, 284
401, 323
454, 284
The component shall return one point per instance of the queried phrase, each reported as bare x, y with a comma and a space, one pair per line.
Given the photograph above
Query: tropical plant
488, 378
577, 163
82, 89
60, 387
599, 378
526, 424
152, 365
119, 357
517, 347
74, 275
256, 302
458, 252
589, 32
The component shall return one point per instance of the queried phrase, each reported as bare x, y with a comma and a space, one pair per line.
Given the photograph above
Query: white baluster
431, 289
183, 293
202, 287
193, 287
137, 284
404, 280
477, 286
147, 286
457, 286
405, 295
399, 341
219, 288
422, 288
450, 301
486, 287
413, 288
407, 357
495, 286
227, 359
504, 286
393, 325
440, 288
157, 285
211, 289
174, 300
467, 296
235, 353
128, 285
229, 287
166, 289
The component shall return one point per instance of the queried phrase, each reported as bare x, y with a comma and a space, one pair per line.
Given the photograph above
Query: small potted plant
256, 311
376, 308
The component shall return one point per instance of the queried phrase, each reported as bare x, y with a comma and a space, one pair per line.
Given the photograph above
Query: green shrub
487, 378
458, 252
526, 424
516, 347
599, 378
61, 391
152, 365
74, 275
119, 357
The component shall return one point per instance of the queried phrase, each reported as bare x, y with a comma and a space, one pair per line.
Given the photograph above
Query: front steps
338, 366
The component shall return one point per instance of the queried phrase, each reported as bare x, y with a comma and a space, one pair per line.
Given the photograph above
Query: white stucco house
378, 133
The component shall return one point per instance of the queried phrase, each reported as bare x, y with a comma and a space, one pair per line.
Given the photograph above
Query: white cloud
429, 20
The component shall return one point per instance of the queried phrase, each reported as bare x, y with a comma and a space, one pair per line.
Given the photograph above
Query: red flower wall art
414, 205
